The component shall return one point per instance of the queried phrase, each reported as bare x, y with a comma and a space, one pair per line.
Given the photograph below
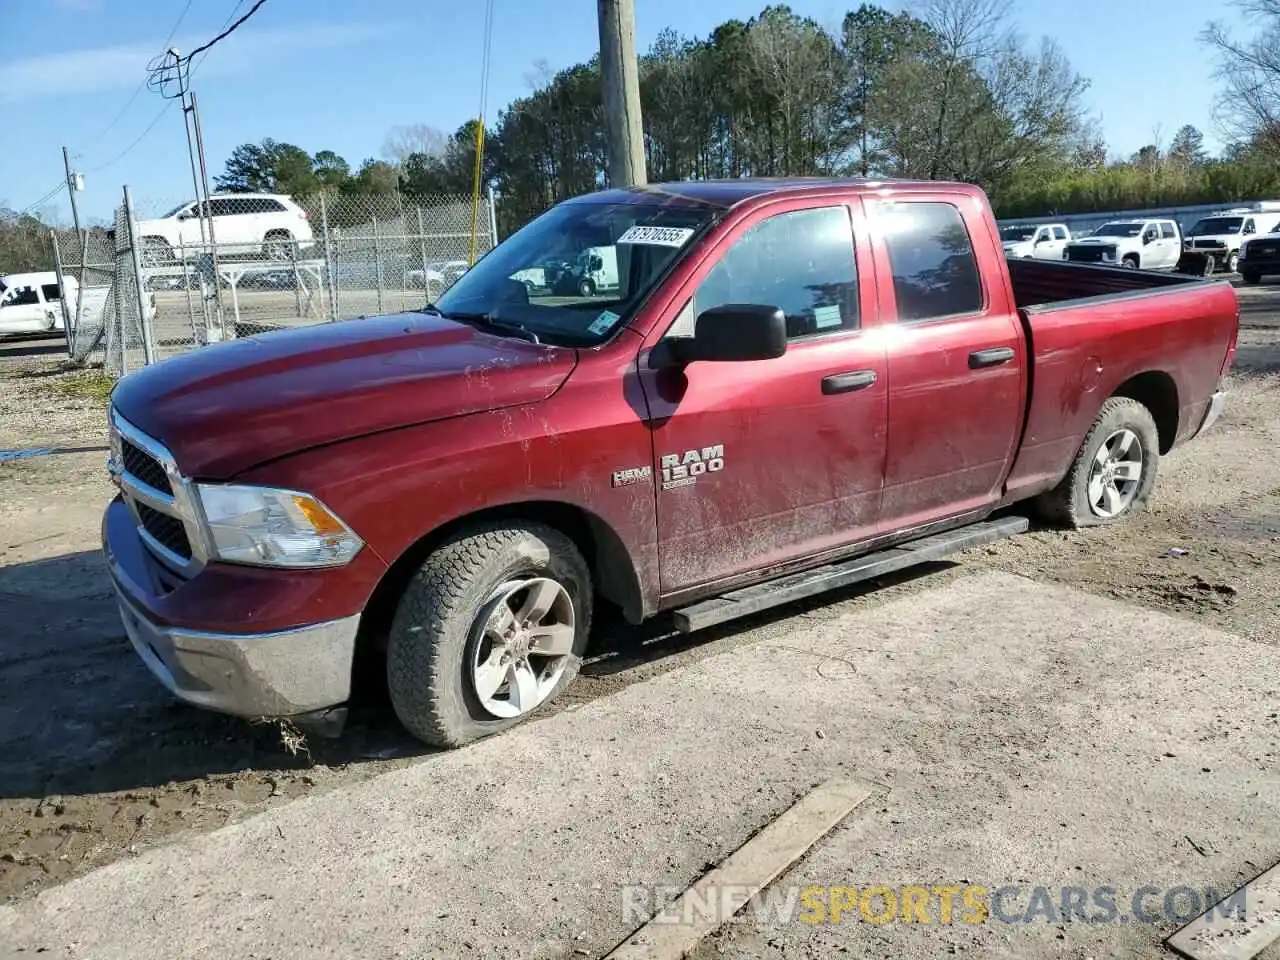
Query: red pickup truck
703, 398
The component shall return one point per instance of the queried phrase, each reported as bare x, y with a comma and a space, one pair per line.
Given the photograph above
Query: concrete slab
1022, 733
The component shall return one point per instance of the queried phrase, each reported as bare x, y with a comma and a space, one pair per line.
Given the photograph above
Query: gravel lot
97, 762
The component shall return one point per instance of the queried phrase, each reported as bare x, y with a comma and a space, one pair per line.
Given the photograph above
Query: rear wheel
156, 252
279, 245
1114, 472
492, 626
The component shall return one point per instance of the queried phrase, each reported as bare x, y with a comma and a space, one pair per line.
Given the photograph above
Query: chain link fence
156, 286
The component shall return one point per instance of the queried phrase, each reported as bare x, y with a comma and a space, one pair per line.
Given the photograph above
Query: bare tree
405, 140
1249, 70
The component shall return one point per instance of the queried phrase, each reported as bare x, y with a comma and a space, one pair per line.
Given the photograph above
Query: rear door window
935, 273
50, 292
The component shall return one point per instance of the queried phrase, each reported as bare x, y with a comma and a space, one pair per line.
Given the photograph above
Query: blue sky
334, 74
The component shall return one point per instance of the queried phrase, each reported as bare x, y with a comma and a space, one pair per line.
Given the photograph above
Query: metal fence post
493, 220
330, 264
422, 242
144, 319
62, 288
377, 261
115, 329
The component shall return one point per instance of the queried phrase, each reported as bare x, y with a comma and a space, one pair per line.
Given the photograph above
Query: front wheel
1251, 278
1233, 262
586, 287
492, 626
1130, 262
1114, 472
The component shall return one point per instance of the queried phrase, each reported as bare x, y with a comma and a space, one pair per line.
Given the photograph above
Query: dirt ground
97, 761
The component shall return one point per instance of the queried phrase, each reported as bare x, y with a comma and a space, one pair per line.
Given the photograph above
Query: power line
228, 31
48, 196
230, 17
142, 136
143, 85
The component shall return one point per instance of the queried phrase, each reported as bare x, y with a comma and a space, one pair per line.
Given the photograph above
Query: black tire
1068, 503
279, 245
1130, 261
586, 287
156, 251
431, 634
1250, 277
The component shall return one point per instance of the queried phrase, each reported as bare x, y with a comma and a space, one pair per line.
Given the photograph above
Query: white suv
266, 225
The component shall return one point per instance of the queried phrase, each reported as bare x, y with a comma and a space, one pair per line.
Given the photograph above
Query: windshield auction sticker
658, 236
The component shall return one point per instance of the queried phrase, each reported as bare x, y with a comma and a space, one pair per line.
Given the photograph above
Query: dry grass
94, 385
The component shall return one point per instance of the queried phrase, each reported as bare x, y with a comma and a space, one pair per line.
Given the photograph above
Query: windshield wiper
486, 321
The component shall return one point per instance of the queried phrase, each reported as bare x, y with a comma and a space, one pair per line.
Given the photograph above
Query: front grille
145, 467
1089, 254
1208, 245
1262, 251
168, 531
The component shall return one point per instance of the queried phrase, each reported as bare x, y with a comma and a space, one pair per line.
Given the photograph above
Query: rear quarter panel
1083, 352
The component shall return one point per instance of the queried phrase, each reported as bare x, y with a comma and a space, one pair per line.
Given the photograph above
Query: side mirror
734, 332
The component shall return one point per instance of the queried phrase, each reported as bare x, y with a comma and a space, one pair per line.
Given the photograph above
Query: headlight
1243, 247
273, 528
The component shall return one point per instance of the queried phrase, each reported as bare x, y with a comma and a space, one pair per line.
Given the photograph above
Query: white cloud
122, 67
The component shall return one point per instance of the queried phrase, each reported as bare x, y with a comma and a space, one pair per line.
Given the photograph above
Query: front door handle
848, 382
992, 357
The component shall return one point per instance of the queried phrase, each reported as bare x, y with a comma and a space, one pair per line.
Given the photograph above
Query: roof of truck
724, 194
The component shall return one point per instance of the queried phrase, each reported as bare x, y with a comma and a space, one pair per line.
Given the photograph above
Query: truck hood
1097, 241
222, 409
1017, 247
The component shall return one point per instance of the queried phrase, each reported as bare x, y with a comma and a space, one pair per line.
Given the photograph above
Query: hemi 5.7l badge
682, 469
631, 475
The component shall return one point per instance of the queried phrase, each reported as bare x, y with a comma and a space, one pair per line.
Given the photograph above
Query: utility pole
75, 183
620, 74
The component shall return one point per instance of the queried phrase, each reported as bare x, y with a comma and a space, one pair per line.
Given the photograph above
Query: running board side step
796, 586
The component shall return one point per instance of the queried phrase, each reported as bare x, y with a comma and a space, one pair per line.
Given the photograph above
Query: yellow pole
475, 196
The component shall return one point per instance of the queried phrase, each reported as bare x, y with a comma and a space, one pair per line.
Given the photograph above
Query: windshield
1016, 234
176, 210
1216, 226
1118, 230
578, 271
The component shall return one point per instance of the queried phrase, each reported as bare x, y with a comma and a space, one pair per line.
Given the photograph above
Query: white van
596, 268
32, 302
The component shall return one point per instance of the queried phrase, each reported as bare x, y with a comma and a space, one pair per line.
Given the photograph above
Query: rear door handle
848, 382
992, 357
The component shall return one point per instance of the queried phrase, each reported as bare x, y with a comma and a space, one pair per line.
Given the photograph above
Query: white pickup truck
1220, 235
1138, 244
1035, 241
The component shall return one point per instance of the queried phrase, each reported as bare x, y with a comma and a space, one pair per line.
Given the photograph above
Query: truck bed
1097, 331
1040, 283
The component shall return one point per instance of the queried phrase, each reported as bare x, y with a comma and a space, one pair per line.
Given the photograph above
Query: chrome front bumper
250, 675
1216, 403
